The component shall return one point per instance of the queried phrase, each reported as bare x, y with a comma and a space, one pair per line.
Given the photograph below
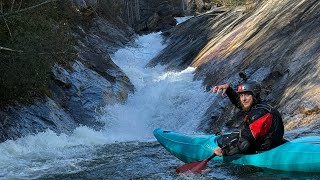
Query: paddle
194, 167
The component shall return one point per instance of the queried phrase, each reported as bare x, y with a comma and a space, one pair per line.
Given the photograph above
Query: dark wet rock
96, 80
161, 18
186, 41
164, 9
143, 15
88, 92
159, 23
45, 114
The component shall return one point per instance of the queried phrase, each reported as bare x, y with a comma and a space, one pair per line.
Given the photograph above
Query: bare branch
51, 53
12, 5
5, 21
29, 8
8, 49
41, 53
20, 5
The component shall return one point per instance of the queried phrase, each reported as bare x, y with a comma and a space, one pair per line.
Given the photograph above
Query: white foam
169, 100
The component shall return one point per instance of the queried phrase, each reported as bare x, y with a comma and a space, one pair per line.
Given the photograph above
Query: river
126, 148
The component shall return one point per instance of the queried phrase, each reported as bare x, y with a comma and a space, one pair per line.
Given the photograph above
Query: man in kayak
262, 126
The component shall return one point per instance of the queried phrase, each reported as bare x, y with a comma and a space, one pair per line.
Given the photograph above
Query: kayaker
262, 127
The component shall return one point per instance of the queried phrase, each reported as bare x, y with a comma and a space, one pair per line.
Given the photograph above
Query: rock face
276, 43
146, 15
161, 20
186, 41
17, 121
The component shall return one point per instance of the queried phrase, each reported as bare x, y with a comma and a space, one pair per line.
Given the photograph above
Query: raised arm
226, 89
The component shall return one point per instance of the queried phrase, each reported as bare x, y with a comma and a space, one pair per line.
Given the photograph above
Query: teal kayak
302, 154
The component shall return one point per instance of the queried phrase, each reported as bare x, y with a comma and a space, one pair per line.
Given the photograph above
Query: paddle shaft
212, 156
197, 167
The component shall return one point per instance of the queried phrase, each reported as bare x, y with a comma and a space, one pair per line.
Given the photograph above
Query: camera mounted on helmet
243, 76
249, 86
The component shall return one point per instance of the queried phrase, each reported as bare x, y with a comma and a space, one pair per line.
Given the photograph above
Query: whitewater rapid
169, 100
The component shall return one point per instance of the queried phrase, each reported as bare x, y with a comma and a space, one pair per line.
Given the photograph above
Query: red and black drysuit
261, 129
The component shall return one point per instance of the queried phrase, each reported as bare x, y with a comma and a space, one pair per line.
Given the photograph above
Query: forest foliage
34, 36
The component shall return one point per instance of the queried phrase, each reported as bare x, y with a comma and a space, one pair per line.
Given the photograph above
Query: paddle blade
194, 167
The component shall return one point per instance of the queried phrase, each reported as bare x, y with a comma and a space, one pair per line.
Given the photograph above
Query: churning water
162, 99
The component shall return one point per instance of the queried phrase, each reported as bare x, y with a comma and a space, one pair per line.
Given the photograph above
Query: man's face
246, 100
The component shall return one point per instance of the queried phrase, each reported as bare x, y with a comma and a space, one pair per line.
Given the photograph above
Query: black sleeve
231, 151
246, 132
231, 146
233, 96
277, 128
239, 147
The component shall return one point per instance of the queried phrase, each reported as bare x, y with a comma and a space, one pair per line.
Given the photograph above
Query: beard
246, 109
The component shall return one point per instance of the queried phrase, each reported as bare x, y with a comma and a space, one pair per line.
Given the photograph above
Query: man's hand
218, 151
223, 88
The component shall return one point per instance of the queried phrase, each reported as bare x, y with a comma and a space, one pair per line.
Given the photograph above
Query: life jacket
262, 127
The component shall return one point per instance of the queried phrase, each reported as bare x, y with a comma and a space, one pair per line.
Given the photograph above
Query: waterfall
169, 100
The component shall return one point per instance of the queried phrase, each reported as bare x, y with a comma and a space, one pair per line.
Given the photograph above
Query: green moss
43, 35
